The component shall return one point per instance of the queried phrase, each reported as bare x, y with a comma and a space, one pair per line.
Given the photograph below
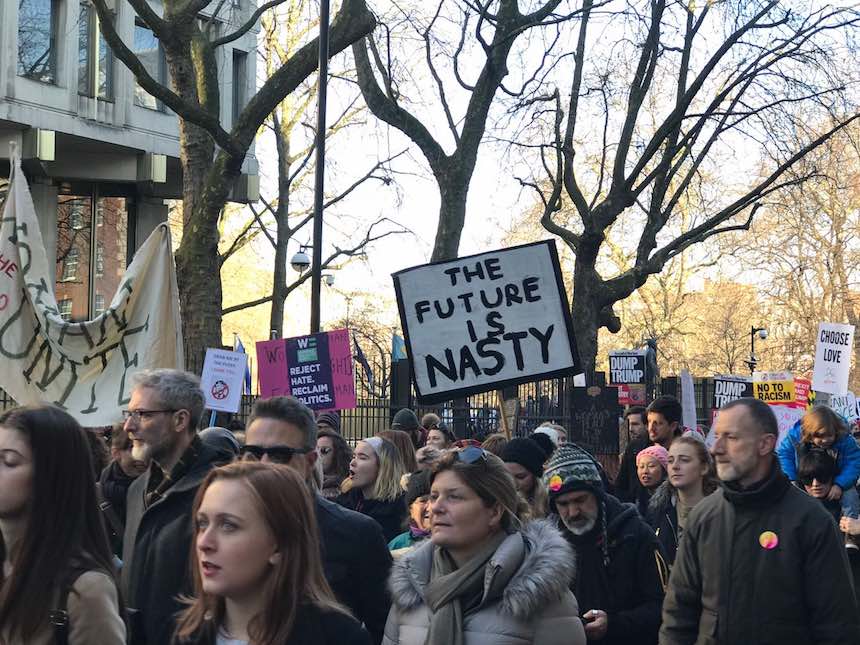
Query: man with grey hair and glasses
161, 420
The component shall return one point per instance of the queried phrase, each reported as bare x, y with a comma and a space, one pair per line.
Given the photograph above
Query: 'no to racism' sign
833, 348
486, 321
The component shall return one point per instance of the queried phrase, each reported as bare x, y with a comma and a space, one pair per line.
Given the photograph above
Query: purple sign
316, 369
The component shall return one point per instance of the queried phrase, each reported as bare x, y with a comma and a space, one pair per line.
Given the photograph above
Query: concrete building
101, 155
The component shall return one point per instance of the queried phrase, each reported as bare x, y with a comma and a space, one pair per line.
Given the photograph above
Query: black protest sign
728, 389
486, 321
595, 414
309, 371
627, 368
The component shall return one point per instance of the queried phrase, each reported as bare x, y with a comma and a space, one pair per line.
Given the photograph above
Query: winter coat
313, 626
93, 613
115, 484
526, 599
845, 450
156, 548
356, 563
630, 587
730, 586
662, 516
391, 516
627, 485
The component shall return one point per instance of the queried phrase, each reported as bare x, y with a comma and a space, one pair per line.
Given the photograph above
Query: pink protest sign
316, 369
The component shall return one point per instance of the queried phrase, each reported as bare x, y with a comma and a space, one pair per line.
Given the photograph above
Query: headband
375, 443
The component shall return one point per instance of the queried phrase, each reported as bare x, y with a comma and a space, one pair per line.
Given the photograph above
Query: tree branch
248, 25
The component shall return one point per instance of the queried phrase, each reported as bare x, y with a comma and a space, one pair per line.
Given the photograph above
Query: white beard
579, 527
139, 451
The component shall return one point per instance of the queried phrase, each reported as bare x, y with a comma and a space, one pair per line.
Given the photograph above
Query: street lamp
762, 333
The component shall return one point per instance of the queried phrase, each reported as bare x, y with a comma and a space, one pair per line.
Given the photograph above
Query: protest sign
626, 367
845, 405
486, 322
631, 394
83, 367
594, 419
688, 400
802, 391
728, 388
774, 388
222, 378
833, 349
786, 417
316, 369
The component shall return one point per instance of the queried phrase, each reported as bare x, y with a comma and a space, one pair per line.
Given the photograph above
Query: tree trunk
453, 190
283, 232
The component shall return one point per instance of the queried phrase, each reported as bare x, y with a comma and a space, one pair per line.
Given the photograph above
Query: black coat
156, 548
727, 588
313, 626
662, 516
391, 516
357, 562
630, 589
115, 483
627, 486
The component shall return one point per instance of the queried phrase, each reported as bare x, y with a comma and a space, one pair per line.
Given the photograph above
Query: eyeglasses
137, 415
277, 454
471, 455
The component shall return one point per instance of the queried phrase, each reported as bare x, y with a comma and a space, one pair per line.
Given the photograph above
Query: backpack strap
59, 617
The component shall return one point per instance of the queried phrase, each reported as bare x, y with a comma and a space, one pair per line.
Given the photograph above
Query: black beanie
405, 419
418, 486
331, 419
526, 453
544, 443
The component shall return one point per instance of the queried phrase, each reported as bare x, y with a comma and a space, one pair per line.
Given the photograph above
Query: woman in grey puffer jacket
481, 579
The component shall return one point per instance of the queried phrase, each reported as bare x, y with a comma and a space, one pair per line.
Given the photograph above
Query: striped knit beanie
571, 468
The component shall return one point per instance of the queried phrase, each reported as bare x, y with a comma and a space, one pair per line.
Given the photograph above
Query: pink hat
655, 452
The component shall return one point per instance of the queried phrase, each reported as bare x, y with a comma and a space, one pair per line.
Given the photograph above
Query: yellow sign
774, 392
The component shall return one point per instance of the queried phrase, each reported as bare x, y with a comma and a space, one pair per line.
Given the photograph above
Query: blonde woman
373, 487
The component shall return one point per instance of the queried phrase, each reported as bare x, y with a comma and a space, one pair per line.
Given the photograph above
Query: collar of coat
529, 570
765, 493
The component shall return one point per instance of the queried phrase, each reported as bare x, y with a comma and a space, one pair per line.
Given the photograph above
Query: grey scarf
451, 590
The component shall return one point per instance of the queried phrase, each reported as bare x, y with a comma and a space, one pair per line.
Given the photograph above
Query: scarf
159, 483
451, 590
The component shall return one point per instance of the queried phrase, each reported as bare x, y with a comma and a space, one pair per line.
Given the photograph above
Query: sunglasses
277, 454
471, 455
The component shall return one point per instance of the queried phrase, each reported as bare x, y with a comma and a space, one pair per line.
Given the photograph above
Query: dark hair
762, 416
119, 439
635, 409
816, 464
64, 529
288, 410
824, 416
341, 452
286, 504
668, 406
491, 481
430, 421
403, 442
495, 443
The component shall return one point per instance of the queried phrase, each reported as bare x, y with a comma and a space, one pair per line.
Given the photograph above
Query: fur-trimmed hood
661, 499
530, 569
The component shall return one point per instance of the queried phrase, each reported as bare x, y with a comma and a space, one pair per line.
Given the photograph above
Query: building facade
101, 154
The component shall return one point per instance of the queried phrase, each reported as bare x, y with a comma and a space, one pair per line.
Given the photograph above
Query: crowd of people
286, 534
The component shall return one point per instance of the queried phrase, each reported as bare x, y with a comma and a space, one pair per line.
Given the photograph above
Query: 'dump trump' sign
486, 321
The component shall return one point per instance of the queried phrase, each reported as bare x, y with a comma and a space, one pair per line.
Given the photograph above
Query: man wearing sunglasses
162, 418
356, 560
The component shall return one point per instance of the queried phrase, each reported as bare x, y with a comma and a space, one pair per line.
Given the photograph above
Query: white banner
688, 400
486, 321
83, 367
223, 374
845, 405
833, 348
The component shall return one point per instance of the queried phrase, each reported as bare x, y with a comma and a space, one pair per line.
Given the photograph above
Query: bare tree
497, 25
212, 157
709, 84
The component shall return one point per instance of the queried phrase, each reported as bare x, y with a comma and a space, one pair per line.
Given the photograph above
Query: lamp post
319, 171
762, 333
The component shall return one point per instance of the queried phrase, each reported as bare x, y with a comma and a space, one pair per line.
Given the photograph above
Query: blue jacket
846, 452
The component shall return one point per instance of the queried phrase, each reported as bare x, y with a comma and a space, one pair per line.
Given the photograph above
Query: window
99, 308
70, 264
100, 213
240, 78
151, 54
65, 307
37, 39
76, 216
95, 59
100, 259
